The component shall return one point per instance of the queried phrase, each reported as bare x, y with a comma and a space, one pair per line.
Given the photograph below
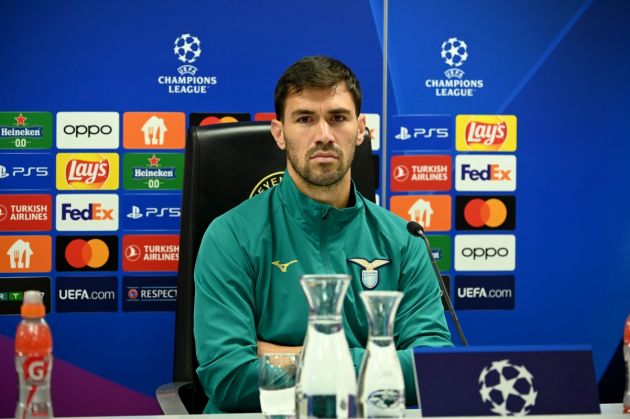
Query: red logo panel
25, 212
421, 173
150, 253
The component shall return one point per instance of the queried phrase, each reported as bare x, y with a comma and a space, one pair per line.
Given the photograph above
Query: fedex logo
485, 173
87, 212
491, 172
92, 212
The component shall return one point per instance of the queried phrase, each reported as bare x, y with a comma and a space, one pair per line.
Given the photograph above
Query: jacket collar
310, 212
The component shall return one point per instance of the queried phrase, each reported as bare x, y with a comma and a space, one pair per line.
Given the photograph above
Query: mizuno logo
283, 266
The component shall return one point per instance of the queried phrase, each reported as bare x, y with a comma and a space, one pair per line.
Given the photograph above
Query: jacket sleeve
420, 317
224, 327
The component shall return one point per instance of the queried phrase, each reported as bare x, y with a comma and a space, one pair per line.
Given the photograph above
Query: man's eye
339, 118
303, 119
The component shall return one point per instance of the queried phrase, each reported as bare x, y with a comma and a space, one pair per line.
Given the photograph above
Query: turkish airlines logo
485, 212
151, 252
87, 212
87, 253
421, 173
88, 130
25, 212
87, 171
433, 212
485, 132
20, 254
485, 252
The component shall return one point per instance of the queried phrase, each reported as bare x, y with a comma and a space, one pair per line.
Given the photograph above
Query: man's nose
324, 132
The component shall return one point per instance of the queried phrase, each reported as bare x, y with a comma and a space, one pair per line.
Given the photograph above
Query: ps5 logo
23, 171
404, 134
169, 212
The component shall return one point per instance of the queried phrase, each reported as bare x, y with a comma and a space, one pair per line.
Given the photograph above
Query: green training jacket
247, 285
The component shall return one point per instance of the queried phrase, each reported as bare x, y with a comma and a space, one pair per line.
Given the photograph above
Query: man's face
320, 132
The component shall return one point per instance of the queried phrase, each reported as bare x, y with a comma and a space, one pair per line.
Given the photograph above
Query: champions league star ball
187, 48
454, 52
508, 388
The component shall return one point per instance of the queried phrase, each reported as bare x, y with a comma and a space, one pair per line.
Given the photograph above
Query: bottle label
35, 368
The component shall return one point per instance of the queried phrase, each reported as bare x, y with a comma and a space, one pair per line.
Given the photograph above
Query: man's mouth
324, 156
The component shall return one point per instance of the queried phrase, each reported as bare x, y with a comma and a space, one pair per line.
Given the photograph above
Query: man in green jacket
248, 299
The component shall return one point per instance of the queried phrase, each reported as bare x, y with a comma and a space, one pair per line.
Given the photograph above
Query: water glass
276, 380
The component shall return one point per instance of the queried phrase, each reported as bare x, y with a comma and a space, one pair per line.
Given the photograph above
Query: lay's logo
87, 171
485, 132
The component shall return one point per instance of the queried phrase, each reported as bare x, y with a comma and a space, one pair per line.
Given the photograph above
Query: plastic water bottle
33, 359
626, 357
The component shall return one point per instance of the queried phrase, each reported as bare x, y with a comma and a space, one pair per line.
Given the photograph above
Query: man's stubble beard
320, 175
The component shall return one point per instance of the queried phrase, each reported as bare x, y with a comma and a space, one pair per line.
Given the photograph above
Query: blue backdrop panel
117, 57
558, 67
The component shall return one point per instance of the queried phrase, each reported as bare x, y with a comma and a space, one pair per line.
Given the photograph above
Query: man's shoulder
386, 221
248, 218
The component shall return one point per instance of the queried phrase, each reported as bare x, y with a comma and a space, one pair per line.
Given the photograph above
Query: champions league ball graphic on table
454, 52
507, 388
187, 48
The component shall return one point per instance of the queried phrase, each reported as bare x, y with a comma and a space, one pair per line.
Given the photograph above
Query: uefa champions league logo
508, 388
187, 48
454, 53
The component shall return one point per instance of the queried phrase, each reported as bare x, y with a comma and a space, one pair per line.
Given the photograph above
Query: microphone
416, 229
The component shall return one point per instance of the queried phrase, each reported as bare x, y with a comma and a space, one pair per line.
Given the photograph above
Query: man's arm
224, 324
271, 348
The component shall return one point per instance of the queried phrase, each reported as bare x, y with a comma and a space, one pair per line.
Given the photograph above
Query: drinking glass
276, 380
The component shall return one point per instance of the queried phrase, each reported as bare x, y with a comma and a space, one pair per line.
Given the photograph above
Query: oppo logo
485, 252
88, 130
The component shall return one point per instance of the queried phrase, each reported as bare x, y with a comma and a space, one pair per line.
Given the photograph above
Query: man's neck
337, 195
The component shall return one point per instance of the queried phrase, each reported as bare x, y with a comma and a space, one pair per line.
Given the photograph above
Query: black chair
225, 164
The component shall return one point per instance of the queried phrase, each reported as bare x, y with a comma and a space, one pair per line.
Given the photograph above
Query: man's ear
361, 129
278, 133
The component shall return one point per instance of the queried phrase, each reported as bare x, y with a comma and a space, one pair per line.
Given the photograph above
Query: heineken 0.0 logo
153, 171
25, 130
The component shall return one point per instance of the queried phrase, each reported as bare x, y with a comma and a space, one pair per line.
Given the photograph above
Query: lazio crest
369, 274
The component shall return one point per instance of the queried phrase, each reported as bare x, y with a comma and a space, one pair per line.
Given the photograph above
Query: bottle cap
626, 333
32, 305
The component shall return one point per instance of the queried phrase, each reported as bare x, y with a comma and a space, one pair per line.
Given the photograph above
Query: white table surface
614, 410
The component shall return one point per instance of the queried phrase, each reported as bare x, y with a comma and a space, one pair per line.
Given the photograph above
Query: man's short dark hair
315, 72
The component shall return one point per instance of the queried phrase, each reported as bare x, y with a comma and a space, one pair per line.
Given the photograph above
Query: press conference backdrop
503, 133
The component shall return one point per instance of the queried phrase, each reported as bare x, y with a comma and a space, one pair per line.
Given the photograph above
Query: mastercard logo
81, 253
87, 253
485, 212
201, 119
211, 120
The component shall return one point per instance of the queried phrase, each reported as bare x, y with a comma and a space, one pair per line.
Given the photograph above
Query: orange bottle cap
626, 334
32, 305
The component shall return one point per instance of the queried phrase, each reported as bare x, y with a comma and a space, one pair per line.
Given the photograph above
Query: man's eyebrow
299, 112
339, 111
